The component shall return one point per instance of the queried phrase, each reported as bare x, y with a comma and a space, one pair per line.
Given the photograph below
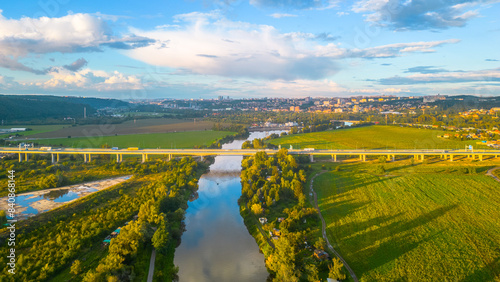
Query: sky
249, 49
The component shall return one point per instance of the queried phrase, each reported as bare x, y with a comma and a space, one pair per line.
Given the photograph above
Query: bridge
145, 153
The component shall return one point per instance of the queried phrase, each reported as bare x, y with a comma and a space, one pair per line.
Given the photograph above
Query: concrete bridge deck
418, 154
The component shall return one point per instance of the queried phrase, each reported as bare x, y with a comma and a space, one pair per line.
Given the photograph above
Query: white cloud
419, 15
67, 34
91, 80
481, 76
282, 15
209, 44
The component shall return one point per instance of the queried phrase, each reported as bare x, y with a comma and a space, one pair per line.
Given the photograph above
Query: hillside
29, 107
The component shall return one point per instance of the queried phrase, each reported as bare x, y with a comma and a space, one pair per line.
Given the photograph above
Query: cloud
88, 79
10, 63
324, 36
426, 69
419, 15
482, 76
67, 34
491, 60
210, 44
294, 4
76, 65
384, 51
282, 15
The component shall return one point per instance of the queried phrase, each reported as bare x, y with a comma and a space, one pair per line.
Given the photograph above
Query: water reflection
216, 245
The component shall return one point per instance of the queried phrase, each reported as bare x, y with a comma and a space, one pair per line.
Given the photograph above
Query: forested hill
27, 107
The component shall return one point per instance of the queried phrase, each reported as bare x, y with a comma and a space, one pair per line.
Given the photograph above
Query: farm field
373, 137
413, 223
178, 140
158, 125
36, 129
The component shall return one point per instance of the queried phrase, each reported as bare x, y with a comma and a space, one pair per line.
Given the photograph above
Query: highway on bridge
418, 154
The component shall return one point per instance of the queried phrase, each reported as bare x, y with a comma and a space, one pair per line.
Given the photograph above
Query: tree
312, 272
76, 267
256, 209
160, 238
335, 270
282, 261
320, 244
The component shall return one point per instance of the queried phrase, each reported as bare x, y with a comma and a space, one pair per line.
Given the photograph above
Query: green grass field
415, 223
373, 137
36, 129
179, 140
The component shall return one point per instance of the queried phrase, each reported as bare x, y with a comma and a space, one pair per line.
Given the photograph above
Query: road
323, 230
152, 266
490, 173
247, 152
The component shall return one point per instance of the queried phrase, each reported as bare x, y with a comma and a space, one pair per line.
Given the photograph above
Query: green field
178, 140
373, 137
36, 129
414, 223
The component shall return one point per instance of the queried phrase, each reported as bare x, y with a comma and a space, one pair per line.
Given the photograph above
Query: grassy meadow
373, 137
35, 129
413, 223
179, 140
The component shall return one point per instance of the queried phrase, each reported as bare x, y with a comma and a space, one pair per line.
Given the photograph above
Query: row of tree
51, 242
273, 186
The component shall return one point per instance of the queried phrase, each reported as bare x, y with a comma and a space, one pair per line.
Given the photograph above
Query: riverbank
280, 219
45, 200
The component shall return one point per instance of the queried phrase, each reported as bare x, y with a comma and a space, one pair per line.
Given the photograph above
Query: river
216, 245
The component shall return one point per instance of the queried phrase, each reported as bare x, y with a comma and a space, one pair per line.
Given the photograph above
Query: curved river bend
216, 245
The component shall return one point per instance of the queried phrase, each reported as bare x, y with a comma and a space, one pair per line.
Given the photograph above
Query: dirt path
152, 266
490, 173
323, 229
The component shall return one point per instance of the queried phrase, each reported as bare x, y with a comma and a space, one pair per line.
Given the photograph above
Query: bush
380, 170
382, 159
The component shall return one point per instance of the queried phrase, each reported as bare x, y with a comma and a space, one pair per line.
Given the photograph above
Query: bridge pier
201, 158
169, 157
143, 158
53, 158
26, 157
90, 157
364, 158
20, 157
451, 158
480, 158
311, 158
422, 157
85, 158
393, 158
57, 157
334, 158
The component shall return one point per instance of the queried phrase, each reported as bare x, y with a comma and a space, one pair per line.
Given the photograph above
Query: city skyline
257, 48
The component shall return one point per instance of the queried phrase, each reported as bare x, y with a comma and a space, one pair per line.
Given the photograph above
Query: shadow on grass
370, 256
487, 273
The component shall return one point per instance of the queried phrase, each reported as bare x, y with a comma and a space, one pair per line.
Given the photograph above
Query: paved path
152, 266
323, 230
490, 173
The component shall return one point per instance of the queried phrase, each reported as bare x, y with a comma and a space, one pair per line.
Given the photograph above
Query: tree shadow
378, 255
487, 273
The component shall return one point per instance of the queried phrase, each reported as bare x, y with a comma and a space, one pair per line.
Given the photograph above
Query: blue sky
256, 48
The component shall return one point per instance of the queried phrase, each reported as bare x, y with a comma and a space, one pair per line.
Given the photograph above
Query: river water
216, 245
